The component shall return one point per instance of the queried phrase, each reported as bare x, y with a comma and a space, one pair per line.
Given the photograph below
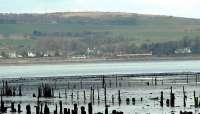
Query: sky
180, 8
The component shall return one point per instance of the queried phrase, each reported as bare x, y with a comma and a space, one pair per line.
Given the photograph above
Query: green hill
106, 32
140, 28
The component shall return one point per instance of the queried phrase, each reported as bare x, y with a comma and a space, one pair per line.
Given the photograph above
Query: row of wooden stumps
69, 111
8, 90
169, 102
3, 109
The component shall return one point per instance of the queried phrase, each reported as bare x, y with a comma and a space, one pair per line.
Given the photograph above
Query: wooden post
161, 99
13, 107
172, 98
155, 81
187, 79
105, 100
196, 79
106, 110
19, 108
90, 108
98, 94
72, 97
133, 101
93, 95
65, 110
78, 97
60, 103
46, 109
81, 83
75, 109
84, 97
103, 81
20, 90
83, 110
3, 92
113, 102
28, 109
119, 97
184, 97
116, 81
127, 101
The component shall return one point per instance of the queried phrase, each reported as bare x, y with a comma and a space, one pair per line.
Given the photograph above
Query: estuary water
84, 69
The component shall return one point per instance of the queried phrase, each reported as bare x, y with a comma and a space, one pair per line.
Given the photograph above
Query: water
15, 71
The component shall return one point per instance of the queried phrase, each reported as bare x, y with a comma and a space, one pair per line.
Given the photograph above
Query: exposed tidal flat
71, 81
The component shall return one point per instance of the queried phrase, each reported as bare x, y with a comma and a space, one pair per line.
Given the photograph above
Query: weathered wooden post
106, 110
28, 109
103, 81
155, 81
127, 101
19, 108
83, 110
90, 108
13, 107
113, 102
93, 95
98, 94
78, 97
75, 109
119, 97
195, 100
41, 108
60, 103
161, 99
3, 88
84, 97
167, 102
133, 101
46, 109
105, 100
196, 79
20, 90
184, 97
172, 98
116, 81
65, 110
72, 97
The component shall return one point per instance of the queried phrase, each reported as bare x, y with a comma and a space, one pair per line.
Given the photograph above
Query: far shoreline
63, 60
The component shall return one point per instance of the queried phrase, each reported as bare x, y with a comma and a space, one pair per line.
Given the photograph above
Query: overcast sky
181, 8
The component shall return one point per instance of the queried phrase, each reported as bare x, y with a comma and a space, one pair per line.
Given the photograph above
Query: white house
183, 51
12, 55
31, 54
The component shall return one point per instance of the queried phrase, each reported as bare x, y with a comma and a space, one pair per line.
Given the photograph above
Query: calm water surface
13, 71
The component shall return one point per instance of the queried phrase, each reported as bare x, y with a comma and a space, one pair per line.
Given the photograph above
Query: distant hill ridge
139, 27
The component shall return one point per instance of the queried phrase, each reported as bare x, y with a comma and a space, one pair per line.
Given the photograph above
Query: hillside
141, 28
75, 32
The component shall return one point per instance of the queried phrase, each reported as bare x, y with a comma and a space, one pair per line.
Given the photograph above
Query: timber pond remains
151, 93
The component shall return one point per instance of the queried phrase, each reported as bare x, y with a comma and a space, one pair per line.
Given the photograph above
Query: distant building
183, 51
12, 55
31, 54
